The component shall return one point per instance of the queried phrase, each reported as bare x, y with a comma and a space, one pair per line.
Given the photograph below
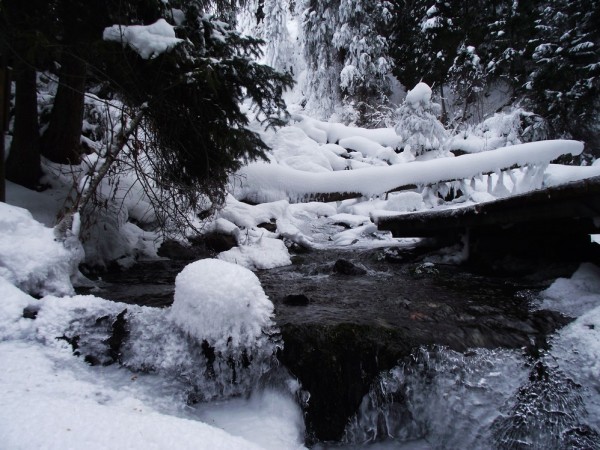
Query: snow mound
221, 303
265, 253
31, 256
148, 41
576, 295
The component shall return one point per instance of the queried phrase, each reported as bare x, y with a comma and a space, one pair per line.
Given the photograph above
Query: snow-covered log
262, 182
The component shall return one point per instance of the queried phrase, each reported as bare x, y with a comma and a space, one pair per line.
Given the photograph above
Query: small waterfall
484, 399
446, 398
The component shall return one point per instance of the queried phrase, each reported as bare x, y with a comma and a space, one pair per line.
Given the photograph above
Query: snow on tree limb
148, 41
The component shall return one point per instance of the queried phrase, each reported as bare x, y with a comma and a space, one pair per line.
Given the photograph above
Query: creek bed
355, 327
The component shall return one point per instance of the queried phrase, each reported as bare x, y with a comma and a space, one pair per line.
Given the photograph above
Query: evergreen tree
506, 45
320, 21
79, 31
427, 36
565, 83
193, 97
418, 126
366, 65
278, 49
466, 76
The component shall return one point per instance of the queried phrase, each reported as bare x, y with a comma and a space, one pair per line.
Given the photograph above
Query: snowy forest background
350, 60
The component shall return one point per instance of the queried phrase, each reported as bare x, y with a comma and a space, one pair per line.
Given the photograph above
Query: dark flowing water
438, 303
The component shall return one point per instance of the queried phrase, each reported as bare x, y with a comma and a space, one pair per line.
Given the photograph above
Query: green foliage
194, 96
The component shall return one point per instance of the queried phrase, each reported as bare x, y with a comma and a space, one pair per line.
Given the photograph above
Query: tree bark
4, 103
61, 143
23, 165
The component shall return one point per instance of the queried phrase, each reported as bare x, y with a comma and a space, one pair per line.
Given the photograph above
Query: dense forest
346, 58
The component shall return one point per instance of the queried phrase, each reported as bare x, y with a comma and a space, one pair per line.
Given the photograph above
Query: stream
394, 352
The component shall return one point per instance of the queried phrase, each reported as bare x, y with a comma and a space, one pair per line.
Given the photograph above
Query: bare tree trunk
4, 102
443, 101
61, 142
23, 164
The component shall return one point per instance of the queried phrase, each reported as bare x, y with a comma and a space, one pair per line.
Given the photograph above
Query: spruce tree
324, 63
193, 97
361, 42
466, 77
564, 86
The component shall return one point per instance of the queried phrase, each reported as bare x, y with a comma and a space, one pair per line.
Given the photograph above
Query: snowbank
264, 253
576, 295
74, 405
148, 41
222, 303
72, 413
559, 174
33, 258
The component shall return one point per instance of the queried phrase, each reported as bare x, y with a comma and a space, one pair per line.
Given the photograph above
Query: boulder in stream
345, 267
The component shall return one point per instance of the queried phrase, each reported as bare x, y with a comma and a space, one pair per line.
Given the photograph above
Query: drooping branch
115, 147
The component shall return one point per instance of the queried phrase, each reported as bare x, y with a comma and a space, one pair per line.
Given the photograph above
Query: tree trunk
444, 118
61, 143
4, 104
23, 163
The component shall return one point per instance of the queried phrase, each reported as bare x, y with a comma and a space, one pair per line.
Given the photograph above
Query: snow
262, 182
264, 253
72, 413
560, 174
74, 405
148, 41
576, 347
576, 295
419, 95
235, 316
142, 402
33, 257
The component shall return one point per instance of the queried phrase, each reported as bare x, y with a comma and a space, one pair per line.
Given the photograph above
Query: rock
118, 335
426, 268
344, 267
214, 242
336, 364
296, 300
30, 312
176, 250
269, 226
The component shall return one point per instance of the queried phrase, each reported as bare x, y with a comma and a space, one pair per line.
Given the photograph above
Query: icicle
489, 184
513, 179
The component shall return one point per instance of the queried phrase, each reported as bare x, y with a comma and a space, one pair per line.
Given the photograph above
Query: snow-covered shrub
418, 126
37, 259
501, 130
